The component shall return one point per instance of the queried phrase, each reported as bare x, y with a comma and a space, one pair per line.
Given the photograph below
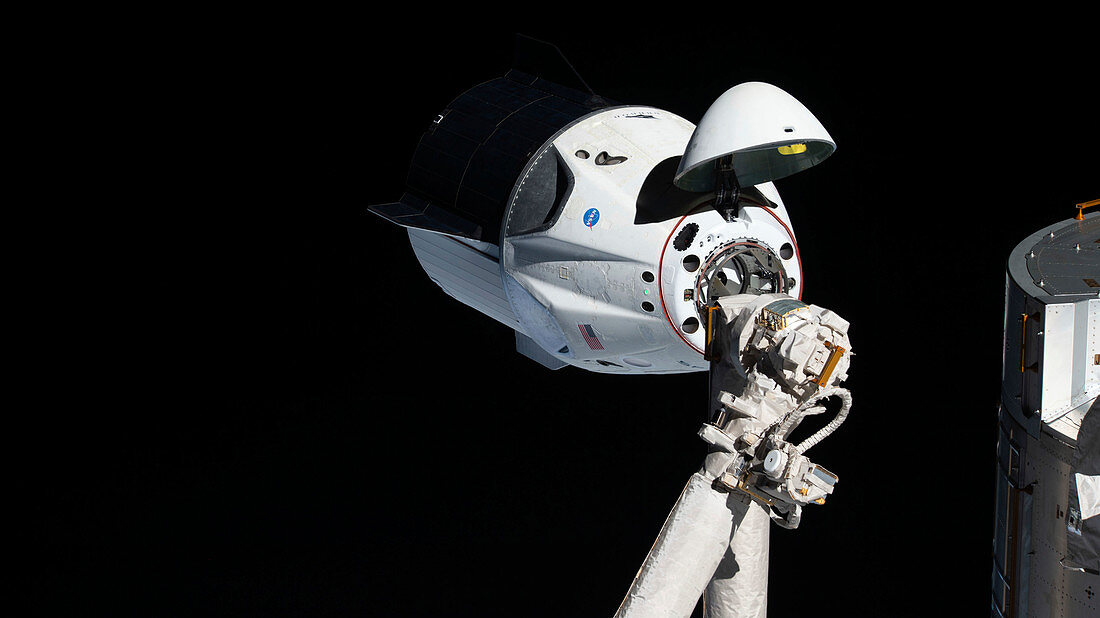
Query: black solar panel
471, 157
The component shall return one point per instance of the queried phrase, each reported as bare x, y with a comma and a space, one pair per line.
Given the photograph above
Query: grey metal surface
1053, 589
1052, 308
527, 347
1059, 259
468, 275
540, 194
1082, 531
414, 212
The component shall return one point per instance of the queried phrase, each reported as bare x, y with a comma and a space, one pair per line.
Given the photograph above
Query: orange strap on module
709, 352
1082, 206
1023, 338
830, 364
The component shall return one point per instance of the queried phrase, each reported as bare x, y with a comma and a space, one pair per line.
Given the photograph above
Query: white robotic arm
774, 359
583, 255
787, 357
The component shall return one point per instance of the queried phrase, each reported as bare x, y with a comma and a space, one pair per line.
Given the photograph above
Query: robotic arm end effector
790, 357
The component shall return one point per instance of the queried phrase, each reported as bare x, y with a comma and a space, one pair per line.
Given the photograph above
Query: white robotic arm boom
776, 359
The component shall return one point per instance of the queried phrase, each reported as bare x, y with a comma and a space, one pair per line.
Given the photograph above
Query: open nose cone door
769, 133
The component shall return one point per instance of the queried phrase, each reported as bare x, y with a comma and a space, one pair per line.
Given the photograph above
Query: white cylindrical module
1046, 544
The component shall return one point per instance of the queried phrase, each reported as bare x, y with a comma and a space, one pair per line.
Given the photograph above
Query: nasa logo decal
591, 216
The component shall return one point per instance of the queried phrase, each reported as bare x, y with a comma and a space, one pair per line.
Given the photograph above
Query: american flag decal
591, 337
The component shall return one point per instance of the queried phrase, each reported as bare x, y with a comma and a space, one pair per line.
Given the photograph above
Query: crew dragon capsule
600, 232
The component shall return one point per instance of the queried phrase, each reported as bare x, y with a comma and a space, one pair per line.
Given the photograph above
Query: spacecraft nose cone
769, 133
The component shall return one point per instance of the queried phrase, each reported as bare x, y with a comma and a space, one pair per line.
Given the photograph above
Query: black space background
293, 420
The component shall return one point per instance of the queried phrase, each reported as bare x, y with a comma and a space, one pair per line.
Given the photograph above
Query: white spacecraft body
622, 239
609, 243
597, 286
1046, 541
